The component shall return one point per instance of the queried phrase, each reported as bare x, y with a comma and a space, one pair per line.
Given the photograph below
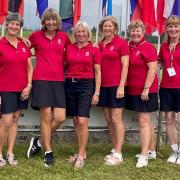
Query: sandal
109, 155
79, 163
72, 158
2, 161
115, 159
10, 159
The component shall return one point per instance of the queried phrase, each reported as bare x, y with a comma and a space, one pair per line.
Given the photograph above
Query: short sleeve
32, 39
97, 56
124, 48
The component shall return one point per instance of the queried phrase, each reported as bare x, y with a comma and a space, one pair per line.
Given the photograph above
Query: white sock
151, 152
174, 147
48, 152
38, 143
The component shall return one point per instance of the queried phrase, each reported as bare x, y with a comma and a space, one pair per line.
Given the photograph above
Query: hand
26, 41
25, 93
144, 95
120, 92
95, 100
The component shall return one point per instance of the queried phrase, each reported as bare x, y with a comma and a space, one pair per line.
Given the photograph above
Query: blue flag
41, 6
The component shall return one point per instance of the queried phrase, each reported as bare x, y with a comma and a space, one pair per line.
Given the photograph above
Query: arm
124, 72
95, 98
26, 41
27, 89
152, 69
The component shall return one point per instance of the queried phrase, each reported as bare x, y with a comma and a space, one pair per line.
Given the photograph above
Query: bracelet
146, 87
29, 85
97, 94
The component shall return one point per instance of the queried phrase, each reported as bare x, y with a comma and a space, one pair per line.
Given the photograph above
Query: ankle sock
38, 143
174, 147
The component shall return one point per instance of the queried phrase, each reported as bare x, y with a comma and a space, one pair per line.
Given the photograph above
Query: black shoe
33, 148
48, 159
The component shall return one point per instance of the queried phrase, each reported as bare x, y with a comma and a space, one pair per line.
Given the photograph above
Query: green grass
94, 168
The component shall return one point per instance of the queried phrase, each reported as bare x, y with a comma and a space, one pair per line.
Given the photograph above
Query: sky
89, 12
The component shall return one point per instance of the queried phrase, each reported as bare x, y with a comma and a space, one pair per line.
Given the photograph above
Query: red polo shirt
137, 73
111, 66
80, 61
49, 55
165, 57
13, 66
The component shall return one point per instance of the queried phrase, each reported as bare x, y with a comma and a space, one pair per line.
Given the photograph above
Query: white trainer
109, 155
142, 161
173, 157
115, 159
178, 159
151, 155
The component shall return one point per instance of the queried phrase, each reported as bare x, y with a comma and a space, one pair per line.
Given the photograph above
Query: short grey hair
85, 26
14, 17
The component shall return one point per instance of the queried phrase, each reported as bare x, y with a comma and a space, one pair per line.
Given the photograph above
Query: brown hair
14, 17
136, 24
48, 14
111, 19
172, 20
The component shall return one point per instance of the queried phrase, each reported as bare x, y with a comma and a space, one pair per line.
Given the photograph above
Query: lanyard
172, 55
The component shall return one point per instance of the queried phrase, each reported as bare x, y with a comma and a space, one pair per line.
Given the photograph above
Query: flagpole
21, 32
97, 26
3, 29
159, 43
127, 13
120, 22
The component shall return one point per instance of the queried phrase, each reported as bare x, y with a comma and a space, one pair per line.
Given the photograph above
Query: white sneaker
151, 155
173, 157
109, 155
142, 161
115, 159
178, 159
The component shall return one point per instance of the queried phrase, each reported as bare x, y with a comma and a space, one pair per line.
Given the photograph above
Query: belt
77, 79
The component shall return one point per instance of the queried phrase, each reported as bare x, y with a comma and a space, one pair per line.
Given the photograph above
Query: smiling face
81, 34
51, 24
173, 31
13, 28
108, 29
136, 34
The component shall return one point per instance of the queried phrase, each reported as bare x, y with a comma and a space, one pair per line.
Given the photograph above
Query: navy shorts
135, 103
169, 99
79, 94
48, 94
11, 102
108, 98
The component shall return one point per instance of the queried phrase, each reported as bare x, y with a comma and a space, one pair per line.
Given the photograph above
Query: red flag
145, 11
21, 9
160, 18
77, 11
3, 10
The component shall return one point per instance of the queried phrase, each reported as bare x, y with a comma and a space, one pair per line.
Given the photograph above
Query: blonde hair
111, 19
136, 24
51, 13
85, 26
172, 20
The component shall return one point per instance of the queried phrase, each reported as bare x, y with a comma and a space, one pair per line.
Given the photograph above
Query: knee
144, 123
16, 117
169, 120
59, 118
82, 123
46, 117
7, 122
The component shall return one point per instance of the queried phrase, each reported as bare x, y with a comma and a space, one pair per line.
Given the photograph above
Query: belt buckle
74, 79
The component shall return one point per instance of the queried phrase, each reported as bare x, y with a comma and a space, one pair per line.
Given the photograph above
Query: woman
114, 68
48, 93
170, 84
14, 62
142, 84
83, 79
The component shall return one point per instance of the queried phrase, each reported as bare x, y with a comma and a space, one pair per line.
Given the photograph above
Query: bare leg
153, 138
145, 131
46, 118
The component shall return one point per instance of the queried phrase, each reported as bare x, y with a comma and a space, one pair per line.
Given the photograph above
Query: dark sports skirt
79, 94
135, 103
11, 102
48, 94
108, 98
169, 99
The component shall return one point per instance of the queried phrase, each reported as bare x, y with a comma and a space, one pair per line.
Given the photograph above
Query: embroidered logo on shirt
87, 53
138, 53
59, 41
111, 48
23, 50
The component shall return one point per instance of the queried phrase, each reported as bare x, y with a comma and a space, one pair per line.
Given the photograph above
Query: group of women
114, 75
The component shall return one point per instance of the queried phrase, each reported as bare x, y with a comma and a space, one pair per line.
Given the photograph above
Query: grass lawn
94, 169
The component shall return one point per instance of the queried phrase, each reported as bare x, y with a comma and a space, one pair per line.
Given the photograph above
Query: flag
3, 7
16, 6
66, 13
176, 8
3, 10
41, 6
76, 11
106, 7
171, 7
145, 11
